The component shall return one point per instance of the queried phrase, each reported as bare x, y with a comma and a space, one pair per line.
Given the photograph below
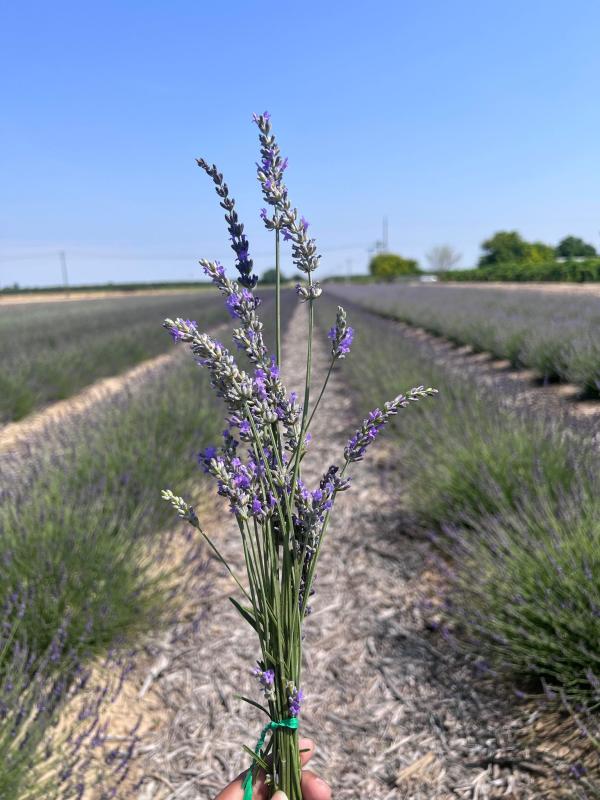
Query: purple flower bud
295, 698
341, 335
257, 506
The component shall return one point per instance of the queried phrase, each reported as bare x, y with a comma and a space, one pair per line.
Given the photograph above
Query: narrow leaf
253, 703
257, 759
246, 613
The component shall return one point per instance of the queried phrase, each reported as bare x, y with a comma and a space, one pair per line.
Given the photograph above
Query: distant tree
442, 258
388, 266
502, 247
270, 276
538, 253
574, 247
509, 246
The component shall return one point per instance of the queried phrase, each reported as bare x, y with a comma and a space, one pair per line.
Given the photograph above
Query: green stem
311, 317
315, 558
224, 562
277, 301
321, 393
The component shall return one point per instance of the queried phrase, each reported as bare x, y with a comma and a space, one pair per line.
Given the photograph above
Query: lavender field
472, 484
89, 565
48, 351
558, 335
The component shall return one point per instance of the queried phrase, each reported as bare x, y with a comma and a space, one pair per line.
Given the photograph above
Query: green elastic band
291, 724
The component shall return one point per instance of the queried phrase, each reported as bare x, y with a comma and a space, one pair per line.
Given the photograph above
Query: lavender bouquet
258, 466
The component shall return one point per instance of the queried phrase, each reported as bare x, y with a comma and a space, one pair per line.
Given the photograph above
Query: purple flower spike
341, 335
295, 698
266, 678
270, 171
239, 243
357, 445
181, 330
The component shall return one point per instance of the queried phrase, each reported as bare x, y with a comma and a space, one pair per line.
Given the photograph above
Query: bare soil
553, 288
71, 297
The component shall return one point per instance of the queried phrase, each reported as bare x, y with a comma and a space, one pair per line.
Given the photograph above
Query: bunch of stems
281, 524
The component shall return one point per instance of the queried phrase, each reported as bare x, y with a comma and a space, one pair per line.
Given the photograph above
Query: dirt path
395, 711
592, 289
70, 297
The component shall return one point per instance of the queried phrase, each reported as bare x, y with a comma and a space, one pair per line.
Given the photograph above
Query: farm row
79, 570
512, 504
85, 568
554, 334
49, 351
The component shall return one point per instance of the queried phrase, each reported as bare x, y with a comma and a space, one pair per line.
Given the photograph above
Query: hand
313, 788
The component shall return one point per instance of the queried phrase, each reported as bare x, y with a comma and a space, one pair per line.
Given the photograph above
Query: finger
307, 750
313, 787
235, 790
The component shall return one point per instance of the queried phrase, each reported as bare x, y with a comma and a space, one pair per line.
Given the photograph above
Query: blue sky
454, 119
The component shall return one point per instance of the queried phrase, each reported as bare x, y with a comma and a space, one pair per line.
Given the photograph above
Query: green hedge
570, 271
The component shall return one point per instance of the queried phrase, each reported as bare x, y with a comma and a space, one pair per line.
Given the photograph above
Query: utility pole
63, 265
384, 238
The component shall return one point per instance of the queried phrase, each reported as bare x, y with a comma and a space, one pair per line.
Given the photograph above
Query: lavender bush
45, 752
555, 334
56, 349
258, 466
510, 500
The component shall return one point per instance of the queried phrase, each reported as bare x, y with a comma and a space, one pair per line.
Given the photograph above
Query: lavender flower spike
239, 243
242, 305
341, 335
183, 509
270, 169
310, 292
266, 678
372, 425
270, 176
295, 698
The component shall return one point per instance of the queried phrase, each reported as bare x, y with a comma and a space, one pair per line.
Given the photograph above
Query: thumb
280, 795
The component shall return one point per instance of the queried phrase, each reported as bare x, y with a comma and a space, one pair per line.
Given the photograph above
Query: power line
100, 256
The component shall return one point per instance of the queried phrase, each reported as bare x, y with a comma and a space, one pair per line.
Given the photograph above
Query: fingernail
280, 795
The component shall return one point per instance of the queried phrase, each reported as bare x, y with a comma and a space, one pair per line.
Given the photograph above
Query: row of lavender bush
555, 334
515, 503
81, 575
48, 351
